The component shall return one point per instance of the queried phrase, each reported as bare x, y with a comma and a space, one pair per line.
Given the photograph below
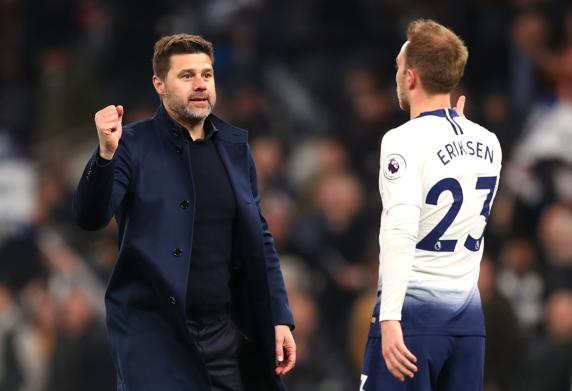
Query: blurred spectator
504, 343
11, 376
360, 315
371, 111
81, 358
67, 270
17, 187
314, 158
520, 282
249, 110
497, 115
269, 156
555, 234
320, 365
35, 335
548, 364
335, 238
68, 93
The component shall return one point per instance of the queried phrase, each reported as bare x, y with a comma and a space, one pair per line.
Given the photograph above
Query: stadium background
313, 82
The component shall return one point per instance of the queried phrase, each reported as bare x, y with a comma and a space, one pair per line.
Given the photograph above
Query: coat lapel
231, 145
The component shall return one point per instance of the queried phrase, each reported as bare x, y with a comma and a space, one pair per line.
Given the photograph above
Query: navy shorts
444, 363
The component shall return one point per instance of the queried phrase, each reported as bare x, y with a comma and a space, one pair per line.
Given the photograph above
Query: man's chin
197, 116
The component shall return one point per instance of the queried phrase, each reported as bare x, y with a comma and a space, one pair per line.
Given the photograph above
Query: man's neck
429, 103
196, 129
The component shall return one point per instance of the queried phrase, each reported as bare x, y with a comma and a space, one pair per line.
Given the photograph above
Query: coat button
185, 204
179, 150
177, 252
176, 133
172, 300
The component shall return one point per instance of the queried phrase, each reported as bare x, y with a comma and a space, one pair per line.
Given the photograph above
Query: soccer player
439, 174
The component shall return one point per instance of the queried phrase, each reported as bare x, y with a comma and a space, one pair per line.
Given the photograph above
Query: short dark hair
438, 55
178, 44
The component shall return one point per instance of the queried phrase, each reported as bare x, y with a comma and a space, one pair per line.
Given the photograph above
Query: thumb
120, 112
280, 349
460, 108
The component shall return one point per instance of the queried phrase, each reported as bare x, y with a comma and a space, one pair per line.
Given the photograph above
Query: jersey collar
440, 113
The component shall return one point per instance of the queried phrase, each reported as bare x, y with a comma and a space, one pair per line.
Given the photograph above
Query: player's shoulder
406, 135
480, 129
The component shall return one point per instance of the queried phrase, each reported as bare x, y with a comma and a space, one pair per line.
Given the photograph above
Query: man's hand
285, 350
460, 107
398, 359
108, 123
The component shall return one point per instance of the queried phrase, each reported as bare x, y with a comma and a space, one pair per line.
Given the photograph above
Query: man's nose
199, 84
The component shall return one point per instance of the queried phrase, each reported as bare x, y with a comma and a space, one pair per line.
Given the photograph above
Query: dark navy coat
144, 186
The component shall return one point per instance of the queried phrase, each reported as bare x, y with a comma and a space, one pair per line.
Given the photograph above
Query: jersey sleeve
399, 175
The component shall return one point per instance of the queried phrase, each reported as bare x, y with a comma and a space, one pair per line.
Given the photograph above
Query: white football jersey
449, 167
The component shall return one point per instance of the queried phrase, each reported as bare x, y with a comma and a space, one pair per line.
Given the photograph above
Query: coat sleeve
102, 188
278, 297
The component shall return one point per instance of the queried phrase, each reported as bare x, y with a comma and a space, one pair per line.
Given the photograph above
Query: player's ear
411, 78
158, 84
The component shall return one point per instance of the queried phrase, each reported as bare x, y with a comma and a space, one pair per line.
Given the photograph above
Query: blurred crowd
313, 83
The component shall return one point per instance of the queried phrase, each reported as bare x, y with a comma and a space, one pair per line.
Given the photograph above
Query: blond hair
437, 54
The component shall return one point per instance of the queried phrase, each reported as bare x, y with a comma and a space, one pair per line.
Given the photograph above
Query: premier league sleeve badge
394, 166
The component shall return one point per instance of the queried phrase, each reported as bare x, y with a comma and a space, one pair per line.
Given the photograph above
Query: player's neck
425, 103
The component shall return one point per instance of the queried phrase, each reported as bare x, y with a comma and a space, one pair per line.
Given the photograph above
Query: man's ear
411, 78
158, 84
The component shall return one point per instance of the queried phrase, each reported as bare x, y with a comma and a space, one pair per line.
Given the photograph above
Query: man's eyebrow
195, 70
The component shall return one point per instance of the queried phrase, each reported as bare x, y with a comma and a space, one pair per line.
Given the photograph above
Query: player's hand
460, 107
398, 359
285, 350
108, 123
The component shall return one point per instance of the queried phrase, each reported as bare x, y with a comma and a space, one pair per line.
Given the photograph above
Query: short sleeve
400, 172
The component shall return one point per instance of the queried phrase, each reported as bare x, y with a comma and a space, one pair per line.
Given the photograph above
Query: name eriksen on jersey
461, 148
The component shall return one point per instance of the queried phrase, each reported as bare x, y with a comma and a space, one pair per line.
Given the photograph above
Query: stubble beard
182, 110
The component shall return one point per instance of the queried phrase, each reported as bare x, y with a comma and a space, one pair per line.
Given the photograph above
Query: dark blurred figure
268, 153
36, 334
503, 346
548, 364
335, 237
81, 359
320, 365
11, 376
372, 111
555, 235
520, 282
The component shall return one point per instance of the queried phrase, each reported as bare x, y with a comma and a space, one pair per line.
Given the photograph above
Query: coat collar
220, 129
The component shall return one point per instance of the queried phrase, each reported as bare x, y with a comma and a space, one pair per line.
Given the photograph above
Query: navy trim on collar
440, 113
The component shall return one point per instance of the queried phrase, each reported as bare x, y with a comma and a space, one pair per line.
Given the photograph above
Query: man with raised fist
196, 300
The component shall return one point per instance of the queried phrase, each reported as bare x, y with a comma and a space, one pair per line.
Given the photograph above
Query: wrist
104, 154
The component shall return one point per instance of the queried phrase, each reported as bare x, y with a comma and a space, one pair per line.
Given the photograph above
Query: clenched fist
108, 123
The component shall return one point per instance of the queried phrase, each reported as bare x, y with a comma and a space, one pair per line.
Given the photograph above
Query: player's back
453, 167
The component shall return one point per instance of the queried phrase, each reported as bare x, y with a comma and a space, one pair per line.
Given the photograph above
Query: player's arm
400, 188
397, 243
